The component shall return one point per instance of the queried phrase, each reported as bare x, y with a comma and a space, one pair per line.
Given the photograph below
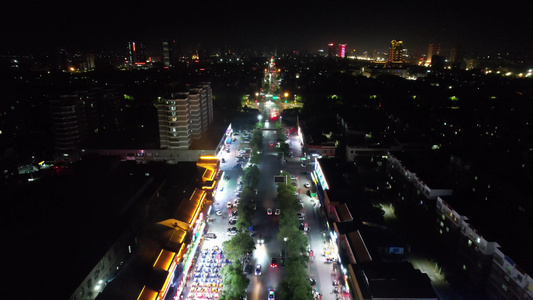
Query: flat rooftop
60, 227
502, 219
430, 167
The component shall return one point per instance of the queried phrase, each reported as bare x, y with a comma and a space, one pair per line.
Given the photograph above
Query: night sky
476, 26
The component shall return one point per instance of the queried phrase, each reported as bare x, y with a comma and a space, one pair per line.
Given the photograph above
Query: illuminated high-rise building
342, 50
136, 54
184, 116
395, 52
331, 50
430, 54
165, 53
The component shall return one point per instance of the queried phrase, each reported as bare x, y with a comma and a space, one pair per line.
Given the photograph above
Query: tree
235, 282
237, 247
251, 177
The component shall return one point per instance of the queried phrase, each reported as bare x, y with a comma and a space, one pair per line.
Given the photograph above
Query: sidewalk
325, 273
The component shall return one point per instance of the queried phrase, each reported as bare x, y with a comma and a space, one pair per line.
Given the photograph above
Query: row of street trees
238, 247
297, 285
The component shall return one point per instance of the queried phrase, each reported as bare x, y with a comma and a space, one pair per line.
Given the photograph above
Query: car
258, 269
235, 213
234, 218
260, 240
312, 281
301, 218
232, 229
230, 205
232, 222
227, 177
269, 211
271, 294
277, 212
236, 202
273, 263
223, 160
228, 150
232, 233
210, 235
303, 165
218, 212
247, 269
307, 184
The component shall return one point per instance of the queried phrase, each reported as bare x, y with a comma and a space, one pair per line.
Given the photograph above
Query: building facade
184, 116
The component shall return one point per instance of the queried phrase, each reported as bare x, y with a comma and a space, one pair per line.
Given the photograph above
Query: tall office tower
342, 50
166, 52
136, 54
452, 55
331, 50
173, 114
69, 123
395, 52
430, 54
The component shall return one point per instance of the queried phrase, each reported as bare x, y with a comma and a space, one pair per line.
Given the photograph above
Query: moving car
260, 240
218, 212
273, 263
271, 294
307, 185
277, 212
269, 211
258, 269
230, 205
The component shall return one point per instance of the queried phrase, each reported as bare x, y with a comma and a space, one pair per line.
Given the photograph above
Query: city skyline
282, 26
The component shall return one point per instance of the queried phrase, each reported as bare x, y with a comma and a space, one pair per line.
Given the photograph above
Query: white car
236, 202
269, 211
218, 212
307, 184
271, 294
277, 212
230, 205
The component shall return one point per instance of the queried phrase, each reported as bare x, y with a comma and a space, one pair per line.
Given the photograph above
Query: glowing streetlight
260, 117
286, 95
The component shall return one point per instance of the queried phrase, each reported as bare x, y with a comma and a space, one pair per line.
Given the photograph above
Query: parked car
307, 184
210, 235
232, 229
277, 212
232, 222
312, 281
235, 213
248, 269
230, 205
269, 211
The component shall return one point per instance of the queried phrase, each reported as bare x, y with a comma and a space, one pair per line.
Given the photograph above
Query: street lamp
260, 117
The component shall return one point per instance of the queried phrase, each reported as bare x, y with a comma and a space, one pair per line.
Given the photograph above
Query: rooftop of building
503, 219
429, 166
63, 225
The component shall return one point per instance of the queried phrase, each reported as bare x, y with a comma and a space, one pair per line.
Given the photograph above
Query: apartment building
184, 116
